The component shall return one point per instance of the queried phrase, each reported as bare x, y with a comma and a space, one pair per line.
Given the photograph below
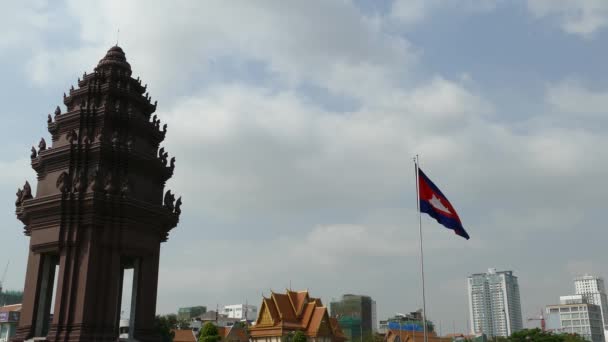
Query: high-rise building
574, 315
374, 317
593, 290
494, 304
186, 314
355, 314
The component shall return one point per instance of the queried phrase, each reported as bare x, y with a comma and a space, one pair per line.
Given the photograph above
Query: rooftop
9, 308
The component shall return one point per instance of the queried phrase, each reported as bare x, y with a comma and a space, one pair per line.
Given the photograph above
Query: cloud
572, 98
415, 11
303, 52
16, 172
577, 268
583, 18
276, 150
23, 22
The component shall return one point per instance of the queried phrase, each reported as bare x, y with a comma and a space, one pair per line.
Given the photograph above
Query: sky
294, 124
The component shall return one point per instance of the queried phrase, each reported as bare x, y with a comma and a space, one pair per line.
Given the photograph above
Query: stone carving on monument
100, 207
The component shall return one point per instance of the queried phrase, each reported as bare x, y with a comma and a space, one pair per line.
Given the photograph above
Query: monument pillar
100, 207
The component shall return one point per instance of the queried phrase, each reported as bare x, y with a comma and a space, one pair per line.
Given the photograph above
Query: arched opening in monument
55, 289
46, 295
128, 297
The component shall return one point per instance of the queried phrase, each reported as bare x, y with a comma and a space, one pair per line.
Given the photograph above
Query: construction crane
541, 318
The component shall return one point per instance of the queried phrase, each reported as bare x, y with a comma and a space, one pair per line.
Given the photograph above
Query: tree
298, 336
573, 338
537, 335
11, 297
240, 325
163, 326
209, 333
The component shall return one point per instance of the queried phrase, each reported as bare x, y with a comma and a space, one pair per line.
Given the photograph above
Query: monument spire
100, 207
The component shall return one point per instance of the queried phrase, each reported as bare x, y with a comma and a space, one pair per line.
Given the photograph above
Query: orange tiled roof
298, 300
284, 307
223, 331
335, 327
315, 320
269, 309
235, 334
183, 335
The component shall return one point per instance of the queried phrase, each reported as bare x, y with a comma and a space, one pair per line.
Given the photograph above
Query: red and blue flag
434, 203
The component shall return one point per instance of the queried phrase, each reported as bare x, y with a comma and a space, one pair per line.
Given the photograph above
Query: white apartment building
494, 303
241, 311
575, 315
593, 290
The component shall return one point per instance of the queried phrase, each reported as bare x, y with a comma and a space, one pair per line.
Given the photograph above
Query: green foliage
299, 336
371, 337
209, 333
163, 326
11, 297
240, 325
182, 323
573, 338
537, 335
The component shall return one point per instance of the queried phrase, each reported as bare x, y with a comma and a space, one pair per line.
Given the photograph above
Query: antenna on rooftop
117, 34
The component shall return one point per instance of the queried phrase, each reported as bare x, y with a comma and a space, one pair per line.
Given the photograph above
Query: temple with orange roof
283, 314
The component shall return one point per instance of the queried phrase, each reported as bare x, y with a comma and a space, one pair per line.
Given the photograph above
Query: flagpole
421, 250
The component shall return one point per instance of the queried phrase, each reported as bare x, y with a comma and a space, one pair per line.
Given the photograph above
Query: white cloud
414, 11
23, 22
571, 97
577, 268
308, 46
268, 144
581, 17
14, 173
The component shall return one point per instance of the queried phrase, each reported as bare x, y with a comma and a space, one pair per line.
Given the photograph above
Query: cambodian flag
434, 203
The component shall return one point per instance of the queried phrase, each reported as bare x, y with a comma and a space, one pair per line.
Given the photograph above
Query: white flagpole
421, 250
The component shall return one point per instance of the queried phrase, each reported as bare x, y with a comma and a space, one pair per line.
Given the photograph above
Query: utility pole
2, 283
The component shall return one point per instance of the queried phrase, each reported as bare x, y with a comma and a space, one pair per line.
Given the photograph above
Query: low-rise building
9, 317
575, 315
282, 315
218, 319
407, 322
241, 311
